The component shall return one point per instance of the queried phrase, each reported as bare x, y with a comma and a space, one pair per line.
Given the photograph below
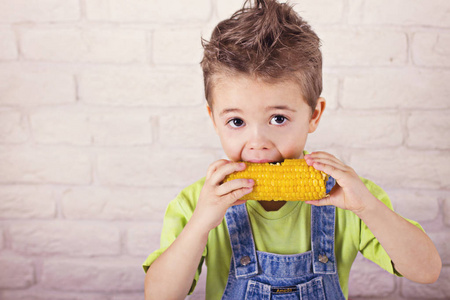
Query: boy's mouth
262, 161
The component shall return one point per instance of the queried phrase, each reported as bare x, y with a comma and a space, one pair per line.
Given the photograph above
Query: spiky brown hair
267, 40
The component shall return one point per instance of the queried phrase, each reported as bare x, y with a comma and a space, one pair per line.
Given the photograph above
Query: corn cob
291, 180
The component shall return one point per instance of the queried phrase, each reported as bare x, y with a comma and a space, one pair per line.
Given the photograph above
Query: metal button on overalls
323, 258
245, 260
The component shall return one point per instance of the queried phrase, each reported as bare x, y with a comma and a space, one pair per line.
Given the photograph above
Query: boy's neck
272, 205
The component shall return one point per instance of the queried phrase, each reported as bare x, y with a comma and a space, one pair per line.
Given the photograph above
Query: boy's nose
258, 140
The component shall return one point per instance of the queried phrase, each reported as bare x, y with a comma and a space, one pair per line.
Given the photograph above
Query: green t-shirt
286, 231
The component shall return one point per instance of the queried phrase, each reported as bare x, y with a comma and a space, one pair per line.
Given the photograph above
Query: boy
263, 80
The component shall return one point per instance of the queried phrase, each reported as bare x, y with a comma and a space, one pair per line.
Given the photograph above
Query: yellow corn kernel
291, 180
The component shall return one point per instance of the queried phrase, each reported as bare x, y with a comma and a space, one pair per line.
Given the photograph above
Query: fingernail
251, 181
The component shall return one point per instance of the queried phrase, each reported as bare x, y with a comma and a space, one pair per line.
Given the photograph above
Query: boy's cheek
232, 152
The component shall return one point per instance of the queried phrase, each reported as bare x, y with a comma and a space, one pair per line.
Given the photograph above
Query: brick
66, 238
143, 238
447, 210
84, 45
138, 87
313, 11
8, 47
164, 168
44, 165
16, 272
177, 46
128, 296
429, 130
39, 294
226, 8
121, 128
19, 11
399, 12
112, 275
330, 91
363, 47
402, 168
396, 89
361, 130
115, 203
189, 128
73, 127
440, 240
85, 128
437, 290
13, 126
320, 11
382, 283
153, 11
25, 85
431, 49
27, 202
417, 205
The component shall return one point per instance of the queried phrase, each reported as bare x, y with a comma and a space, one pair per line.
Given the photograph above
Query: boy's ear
210, 113
317, 114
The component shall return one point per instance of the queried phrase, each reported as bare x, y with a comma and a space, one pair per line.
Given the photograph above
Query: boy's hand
216, 197
349, 192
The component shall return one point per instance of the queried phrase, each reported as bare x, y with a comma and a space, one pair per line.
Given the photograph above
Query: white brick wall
8, 49
146, 86
149, 11
21, 11
97, 45
363, 47
24, 84
405, 89
431, 49
103, 121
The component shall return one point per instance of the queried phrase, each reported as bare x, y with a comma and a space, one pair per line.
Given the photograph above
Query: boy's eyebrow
234, 110
282, 107
229, 110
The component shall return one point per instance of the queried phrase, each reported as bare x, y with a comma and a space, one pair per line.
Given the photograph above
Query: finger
324, 158
219, 175
320, 154
231, 197
329, 164
238, 202
214, 166
332, 170
322, 202
232, 185
316, 164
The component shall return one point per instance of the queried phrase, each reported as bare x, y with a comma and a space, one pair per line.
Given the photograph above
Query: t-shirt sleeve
178, 213
369, 246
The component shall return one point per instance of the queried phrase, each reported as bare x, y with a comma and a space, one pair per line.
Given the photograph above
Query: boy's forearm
171, 275
410, 249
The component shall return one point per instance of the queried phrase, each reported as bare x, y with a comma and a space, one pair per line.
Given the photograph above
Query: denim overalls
264, 276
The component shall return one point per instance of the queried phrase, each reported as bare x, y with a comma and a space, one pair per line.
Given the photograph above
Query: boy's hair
267, 40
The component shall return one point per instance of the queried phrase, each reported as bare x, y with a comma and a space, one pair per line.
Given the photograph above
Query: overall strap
242, 243
322, 235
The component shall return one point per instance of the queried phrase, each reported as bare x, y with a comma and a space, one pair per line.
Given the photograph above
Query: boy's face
261, 122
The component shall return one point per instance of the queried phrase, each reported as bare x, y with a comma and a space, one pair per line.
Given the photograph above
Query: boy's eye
278, 120
236, 123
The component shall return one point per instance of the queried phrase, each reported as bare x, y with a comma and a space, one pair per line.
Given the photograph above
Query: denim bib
264, 276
